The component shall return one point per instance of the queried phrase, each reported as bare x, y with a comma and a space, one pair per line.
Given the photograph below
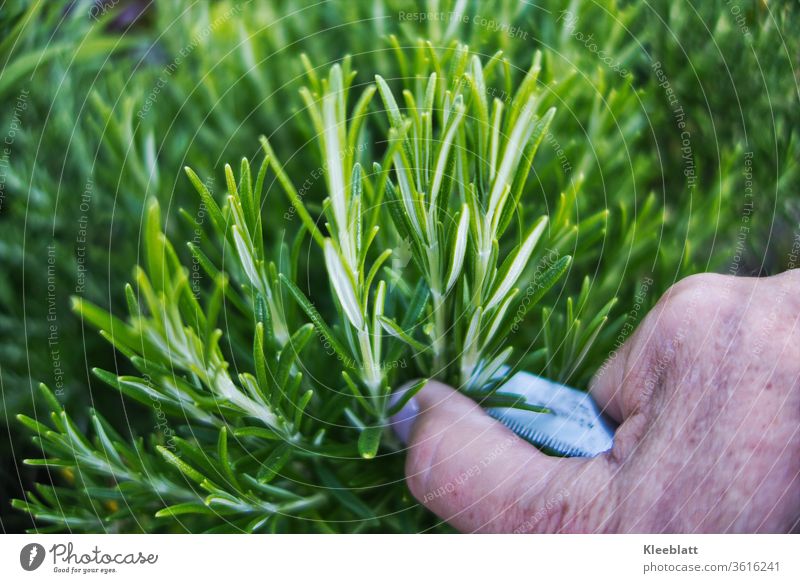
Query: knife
574, 425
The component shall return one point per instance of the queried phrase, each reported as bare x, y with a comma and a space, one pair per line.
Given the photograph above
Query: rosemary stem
440, 328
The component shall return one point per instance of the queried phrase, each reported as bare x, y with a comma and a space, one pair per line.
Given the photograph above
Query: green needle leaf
272, 466
406, 397
369, 441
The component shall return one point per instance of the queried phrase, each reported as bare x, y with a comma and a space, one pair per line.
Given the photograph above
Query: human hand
707, 391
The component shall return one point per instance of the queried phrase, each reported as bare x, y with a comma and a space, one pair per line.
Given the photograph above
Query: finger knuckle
699, 291
698, 304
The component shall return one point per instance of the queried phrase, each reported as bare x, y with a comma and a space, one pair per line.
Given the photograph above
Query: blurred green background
105, 102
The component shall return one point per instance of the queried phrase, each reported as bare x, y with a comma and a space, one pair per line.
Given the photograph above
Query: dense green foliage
412, 192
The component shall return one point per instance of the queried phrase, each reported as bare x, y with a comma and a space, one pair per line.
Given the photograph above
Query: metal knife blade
575, 427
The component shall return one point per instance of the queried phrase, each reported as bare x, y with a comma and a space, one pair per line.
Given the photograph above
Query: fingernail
403, 421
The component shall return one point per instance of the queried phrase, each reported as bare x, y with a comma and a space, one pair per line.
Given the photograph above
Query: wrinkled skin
707, 391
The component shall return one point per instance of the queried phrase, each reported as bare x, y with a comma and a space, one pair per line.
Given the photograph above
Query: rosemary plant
277, 413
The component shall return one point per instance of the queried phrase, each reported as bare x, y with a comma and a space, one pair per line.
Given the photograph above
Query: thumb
479, 476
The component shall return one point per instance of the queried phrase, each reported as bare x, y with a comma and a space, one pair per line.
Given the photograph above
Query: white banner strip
398, 558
